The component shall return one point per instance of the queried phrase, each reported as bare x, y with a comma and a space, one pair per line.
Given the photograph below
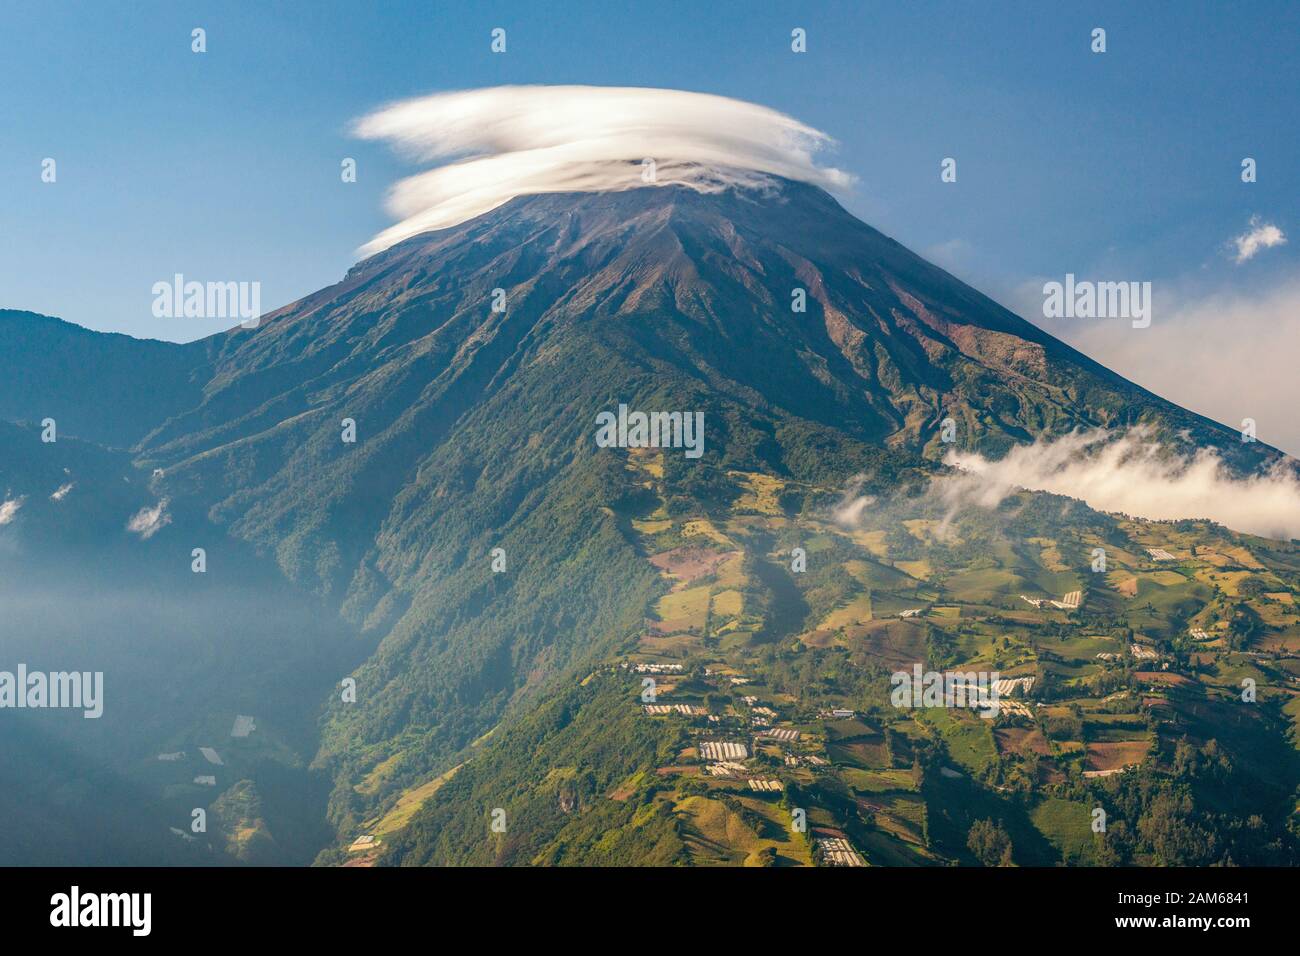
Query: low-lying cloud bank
522, 140
1228, 354
1135, 475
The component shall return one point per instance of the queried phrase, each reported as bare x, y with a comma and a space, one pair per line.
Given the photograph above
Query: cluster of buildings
837, 851
644, 668
838, 713
808, 760
725, 759
1007, 686
713, 750
725, 768
1069, 602
242, 728
686, 710
1140, 652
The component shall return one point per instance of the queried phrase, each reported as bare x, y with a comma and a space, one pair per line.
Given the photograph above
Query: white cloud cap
523, 140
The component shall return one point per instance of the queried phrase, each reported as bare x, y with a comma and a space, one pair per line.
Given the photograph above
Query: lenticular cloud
511, 141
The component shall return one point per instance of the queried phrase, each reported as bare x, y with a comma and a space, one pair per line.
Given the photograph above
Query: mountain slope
613, 296
475, 431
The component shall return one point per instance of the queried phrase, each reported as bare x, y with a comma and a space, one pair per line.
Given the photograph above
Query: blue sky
1122, 165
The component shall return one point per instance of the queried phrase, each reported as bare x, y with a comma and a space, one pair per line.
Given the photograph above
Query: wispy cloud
1259, 235
1135, 475
149, 521
849, 510
9, 510
510, 141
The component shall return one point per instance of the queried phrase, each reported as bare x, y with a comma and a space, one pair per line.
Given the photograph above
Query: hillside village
767, 688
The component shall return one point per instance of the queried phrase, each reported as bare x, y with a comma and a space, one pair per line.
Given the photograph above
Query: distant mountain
475, 430
106, 388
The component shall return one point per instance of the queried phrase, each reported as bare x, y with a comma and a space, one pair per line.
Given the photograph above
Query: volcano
415, 449
774, 310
